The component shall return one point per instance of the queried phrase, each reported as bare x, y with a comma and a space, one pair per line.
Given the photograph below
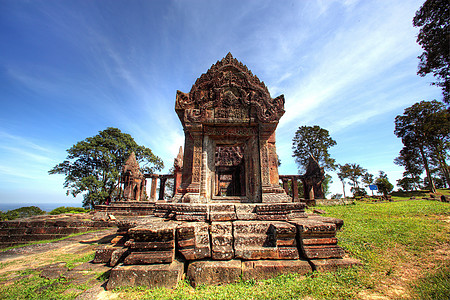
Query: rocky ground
41, 257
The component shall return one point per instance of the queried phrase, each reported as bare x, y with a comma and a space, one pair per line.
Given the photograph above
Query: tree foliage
315, 141
411, 160
425, 132
354, 173
433, 19
344, 170
326, 184
68, 209
23, 212
383, 184
93, 166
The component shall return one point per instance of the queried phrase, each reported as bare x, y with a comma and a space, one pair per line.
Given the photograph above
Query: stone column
153, 187
285, 185
162, 187
193, 188
176, 181
294, 190
265, 172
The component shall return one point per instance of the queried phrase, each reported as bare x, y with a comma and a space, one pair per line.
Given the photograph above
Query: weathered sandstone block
214, 272
118, 256
158, 275
153, 232
265, 240
318, 239
222, 212
150, 257
103, 254
151, 243
222, 240
193, 240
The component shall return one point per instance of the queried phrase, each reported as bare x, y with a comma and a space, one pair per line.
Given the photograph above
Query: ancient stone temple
132, 180
229, 120
229, 217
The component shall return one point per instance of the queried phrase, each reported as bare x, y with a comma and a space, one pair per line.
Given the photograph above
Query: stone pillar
204, 177
192, 168
273, 160
294, 189
176, 181
162, 187
264, 154
153, 187
285, 185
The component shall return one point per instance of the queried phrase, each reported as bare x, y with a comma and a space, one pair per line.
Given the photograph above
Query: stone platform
157, 252
229, 211
128, 208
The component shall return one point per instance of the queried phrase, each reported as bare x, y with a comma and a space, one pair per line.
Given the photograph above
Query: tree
425, 128
23, 212
344, 171
367, 179
355, 173
315, 141
433, 19
326, 184
352, 172
383, 183
93, 166
410, 159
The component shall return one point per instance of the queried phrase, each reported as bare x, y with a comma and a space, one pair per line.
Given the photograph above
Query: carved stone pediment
228, 91
131, 165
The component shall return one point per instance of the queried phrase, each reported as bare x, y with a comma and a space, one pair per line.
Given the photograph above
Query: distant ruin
229, 217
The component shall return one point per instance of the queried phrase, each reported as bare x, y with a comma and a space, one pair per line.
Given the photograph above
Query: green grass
392, 239
339, 285
433, 285
396, 196
27, 284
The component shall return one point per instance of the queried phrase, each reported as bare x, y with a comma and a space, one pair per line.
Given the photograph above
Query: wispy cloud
352, 58
8, 138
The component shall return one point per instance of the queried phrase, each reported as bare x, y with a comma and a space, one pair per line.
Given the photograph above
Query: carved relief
231, 131
229, 156
229, 84
264, 163
197, 163
233, 108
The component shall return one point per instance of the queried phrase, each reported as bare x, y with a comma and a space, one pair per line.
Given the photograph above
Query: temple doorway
229, 170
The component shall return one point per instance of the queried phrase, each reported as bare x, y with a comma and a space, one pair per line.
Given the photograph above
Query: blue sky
69, 69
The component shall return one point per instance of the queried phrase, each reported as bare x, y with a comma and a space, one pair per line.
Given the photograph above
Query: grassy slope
404, 247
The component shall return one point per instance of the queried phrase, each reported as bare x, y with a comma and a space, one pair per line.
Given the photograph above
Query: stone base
265, 269
214, 272
202, 212
159, 275
128, 208
103, 254
332, 265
